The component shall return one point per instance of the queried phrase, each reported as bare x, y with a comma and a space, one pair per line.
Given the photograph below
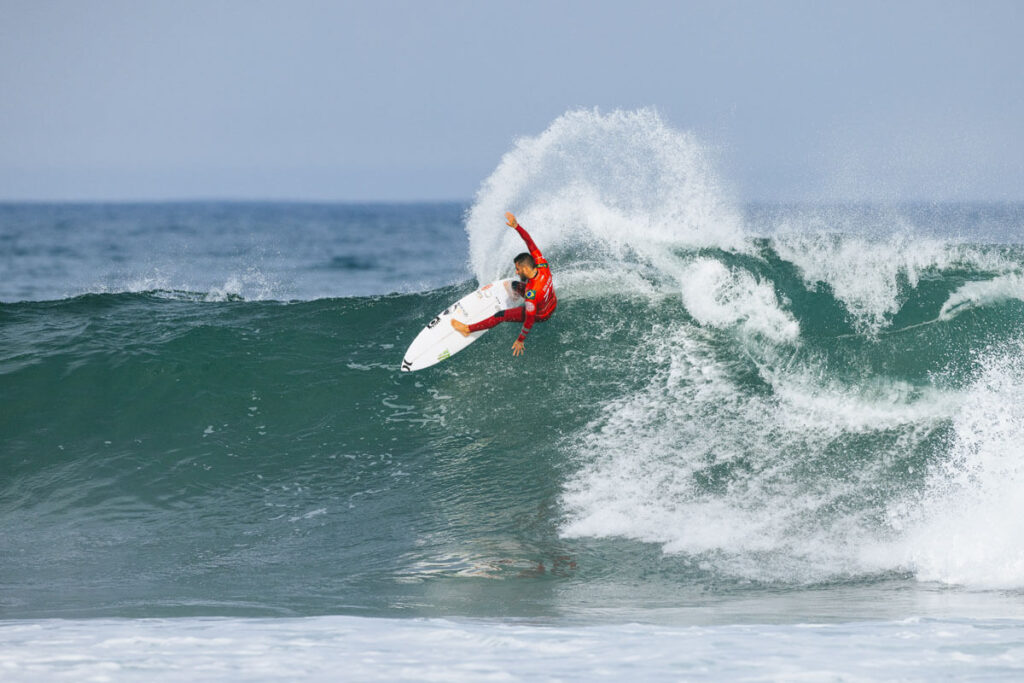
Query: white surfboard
439, 340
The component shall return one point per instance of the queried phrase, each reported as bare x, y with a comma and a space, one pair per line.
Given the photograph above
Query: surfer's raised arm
531, 246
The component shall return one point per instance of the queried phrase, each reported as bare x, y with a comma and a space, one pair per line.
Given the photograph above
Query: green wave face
760, 418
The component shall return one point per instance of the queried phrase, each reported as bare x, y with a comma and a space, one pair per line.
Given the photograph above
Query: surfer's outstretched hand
510, 218
518, 347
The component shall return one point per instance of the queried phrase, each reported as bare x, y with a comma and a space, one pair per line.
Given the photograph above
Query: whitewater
756, 441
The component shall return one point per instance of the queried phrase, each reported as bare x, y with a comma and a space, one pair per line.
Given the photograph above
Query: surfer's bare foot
463, 328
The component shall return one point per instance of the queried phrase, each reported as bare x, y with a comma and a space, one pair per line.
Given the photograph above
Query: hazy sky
419, 100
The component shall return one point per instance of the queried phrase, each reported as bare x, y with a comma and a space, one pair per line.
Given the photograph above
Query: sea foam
743, 448
967, 525
611, 186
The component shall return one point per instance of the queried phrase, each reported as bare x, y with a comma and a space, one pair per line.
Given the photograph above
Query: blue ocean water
254, 251
756, 441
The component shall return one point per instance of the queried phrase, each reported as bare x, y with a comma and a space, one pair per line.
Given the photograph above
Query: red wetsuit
539, 292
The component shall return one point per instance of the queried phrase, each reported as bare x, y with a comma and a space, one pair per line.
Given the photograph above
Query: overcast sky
418, 100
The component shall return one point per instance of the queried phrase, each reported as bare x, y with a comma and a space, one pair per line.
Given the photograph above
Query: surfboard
440, 341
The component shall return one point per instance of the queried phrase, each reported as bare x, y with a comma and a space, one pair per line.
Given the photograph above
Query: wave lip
976, 294
720, 297
615, 185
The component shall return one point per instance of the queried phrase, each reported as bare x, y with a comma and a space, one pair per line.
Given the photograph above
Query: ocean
757, 441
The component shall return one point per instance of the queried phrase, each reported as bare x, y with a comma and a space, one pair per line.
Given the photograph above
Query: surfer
535, 287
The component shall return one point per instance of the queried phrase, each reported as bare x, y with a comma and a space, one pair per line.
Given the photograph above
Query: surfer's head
525, 265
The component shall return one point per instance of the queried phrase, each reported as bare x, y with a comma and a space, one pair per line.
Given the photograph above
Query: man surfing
535, 286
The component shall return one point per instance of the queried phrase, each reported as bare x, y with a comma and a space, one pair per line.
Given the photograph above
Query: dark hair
525, 258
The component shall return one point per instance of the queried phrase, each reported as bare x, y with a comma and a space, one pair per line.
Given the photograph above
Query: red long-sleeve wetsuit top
539, 291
